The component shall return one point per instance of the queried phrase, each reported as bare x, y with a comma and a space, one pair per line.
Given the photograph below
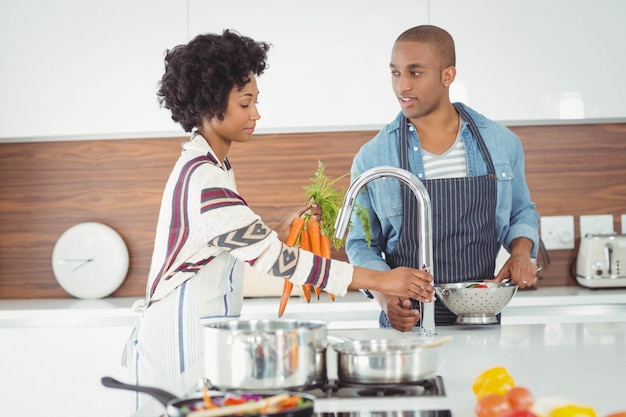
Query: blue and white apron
465, 242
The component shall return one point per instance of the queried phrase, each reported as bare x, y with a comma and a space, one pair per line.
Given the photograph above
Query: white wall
81, 69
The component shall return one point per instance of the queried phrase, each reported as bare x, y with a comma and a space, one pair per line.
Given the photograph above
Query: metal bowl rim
266, 325
385, 347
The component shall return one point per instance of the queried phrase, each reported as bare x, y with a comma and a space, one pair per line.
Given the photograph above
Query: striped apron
465, 242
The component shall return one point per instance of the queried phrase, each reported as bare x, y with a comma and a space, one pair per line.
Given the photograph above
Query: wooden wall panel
47, 187
575, 170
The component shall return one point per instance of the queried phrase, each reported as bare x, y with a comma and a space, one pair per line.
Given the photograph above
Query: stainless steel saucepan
386, 361
265, 354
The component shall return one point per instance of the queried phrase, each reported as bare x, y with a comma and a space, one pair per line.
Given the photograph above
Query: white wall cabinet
536, 59
74, 67
82, 69
329, 61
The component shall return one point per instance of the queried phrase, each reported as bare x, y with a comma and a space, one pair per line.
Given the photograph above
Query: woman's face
239, 118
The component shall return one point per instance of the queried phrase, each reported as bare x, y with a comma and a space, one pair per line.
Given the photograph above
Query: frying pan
179, 407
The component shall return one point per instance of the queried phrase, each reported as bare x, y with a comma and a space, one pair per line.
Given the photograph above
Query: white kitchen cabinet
538, 60
56, 371
329, 60
519, 62
74, 67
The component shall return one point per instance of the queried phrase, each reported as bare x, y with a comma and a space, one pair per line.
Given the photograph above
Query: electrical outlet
624, 224
557, 232
601, 224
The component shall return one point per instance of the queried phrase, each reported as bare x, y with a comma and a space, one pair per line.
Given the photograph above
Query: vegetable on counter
498, 396
496, 380
572, 411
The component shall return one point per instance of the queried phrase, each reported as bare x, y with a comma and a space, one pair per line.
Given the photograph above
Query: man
473, 169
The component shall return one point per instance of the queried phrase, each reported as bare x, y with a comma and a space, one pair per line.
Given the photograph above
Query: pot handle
160, 395
337, 340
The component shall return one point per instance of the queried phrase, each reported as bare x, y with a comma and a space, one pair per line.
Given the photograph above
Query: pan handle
160, 395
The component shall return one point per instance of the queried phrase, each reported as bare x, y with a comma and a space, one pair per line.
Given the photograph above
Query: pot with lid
265, 354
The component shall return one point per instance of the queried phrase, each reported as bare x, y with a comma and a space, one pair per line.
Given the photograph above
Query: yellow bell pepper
496, 380
572, 411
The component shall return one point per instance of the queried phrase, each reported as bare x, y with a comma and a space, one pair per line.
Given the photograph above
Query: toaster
601, 261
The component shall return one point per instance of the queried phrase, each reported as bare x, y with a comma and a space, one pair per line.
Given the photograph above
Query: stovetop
336, 389
335, 398
331, 398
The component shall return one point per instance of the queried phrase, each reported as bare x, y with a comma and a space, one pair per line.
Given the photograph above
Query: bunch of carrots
312, 235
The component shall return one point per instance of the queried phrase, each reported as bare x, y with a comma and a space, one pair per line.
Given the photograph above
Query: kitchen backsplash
46, 187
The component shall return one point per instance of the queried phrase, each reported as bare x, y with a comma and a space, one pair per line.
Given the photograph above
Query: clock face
90, 260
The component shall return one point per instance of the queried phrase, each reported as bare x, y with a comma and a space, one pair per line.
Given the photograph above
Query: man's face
418, 81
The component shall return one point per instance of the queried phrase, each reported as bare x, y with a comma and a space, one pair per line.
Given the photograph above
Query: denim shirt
515, 212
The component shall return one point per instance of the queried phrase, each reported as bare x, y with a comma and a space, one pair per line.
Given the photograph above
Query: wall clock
90, 260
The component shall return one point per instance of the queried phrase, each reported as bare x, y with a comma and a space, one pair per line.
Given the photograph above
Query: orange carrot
305, 240
313, 227
289, 402
325, 244
294, 231
287, 287
318, 291
206, 399
305, 243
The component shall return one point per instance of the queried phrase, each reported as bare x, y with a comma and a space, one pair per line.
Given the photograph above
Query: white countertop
581, 362
567, 342
550, 304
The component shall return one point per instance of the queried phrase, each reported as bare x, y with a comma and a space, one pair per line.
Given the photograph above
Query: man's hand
519, 269
400, 314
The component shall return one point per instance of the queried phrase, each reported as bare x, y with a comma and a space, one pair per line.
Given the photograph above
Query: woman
206, 232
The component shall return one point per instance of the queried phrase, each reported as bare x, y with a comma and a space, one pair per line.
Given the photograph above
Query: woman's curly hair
200, 75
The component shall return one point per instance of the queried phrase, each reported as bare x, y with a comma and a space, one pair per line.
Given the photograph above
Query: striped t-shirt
450, 164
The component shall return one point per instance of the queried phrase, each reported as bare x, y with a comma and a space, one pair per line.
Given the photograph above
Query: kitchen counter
542, 305
553, 340
581, 362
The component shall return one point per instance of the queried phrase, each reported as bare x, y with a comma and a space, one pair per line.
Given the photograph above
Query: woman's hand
409, 283
400, 282
309, 208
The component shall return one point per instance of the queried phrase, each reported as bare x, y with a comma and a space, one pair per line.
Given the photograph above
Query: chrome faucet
427, 310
